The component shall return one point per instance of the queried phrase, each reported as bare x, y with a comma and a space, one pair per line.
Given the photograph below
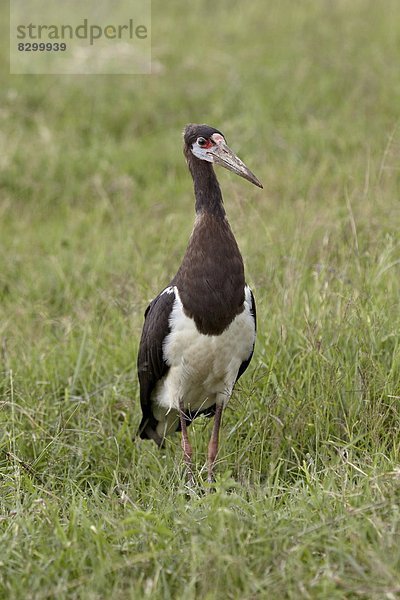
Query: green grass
96, 207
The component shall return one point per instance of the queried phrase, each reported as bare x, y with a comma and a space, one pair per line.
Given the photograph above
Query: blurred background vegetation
96, 206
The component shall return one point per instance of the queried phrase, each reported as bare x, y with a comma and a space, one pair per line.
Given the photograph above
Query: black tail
147, 431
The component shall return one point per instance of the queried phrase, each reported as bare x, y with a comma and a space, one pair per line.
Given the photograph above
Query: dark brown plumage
211, 276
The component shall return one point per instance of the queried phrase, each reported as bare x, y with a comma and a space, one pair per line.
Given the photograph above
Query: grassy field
96, 206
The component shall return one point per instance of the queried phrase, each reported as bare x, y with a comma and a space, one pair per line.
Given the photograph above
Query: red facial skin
209, 144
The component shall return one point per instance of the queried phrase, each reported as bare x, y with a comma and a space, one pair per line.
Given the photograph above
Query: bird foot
190, 481
191, 487
211, 484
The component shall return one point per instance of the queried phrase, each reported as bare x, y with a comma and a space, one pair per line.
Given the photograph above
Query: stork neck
206, 188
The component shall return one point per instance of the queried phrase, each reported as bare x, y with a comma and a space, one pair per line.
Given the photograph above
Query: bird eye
201, 141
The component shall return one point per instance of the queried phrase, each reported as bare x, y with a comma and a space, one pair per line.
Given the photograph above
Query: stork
199, 332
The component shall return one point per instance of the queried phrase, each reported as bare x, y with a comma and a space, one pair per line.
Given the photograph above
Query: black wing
246, 363
151, 365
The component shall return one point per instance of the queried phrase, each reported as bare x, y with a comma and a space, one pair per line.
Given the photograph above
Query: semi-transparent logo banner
80, 37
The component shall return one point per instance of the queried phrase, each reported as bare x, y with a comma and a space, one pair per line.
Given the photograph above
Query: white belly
203, 368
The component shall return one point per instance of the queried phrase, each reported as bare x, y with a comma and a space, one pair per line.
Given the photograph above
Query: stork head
207, 143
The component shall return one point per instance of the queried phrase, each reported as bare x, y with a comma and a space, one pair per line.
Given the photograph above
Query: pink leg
213, 445
186, 447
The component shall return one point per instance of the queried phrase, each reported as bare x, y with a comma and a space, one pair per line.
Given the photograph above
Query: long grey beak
224, 156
